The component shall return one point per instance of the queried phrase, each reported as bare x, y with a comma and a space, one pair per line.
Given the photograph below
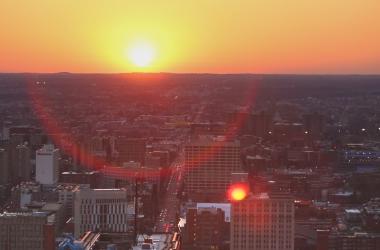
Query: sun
141, 54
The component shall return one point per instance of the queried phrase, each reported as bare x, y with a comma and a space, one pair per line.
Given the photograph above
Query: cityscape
171, 125
210, 162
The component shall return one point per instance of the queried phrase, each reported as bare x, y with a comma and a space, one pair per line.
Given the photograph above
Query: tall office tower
100, 209
29, 230
82, 157
261, 123
131, 149
4, 168
66, 193
209, 163
5, 132
47, 165
314, 124
205, 228
263, 222
21, 166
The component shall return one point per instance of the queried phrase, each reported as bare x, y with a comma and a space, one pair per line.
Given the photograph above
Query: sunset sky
217, 36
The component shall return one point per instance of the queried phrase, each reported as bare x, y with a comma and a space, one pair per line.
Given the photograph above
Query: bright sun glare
141, 54
238, 194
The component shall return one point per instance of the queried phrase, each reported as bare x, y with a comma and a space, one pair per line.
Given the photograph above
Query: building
262, 123
209, 163
131, 149
314, 124
205, 228
333, 240
24, 193
371, 215
4, 168
92, 178
21, 165
66, 193
100, 209
47, 165
122, 176
29, 230
263, 222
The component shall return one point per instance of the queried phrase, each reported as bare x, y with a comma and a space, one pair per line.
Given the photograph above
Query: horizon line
191, 73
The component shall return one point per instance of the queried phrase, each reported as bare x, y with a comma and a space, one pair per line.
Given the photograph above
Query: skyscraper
21, 166
4, 168
263, 222
100, 209
209, 163
205, 228
47, 165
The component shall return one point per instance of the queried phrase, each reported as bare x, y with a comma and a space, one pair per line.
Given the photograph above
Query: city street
167, 218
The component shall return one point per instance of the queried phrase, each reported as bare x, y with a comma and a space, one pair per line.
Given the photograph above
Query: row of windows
104, 208
111, 218
106, 227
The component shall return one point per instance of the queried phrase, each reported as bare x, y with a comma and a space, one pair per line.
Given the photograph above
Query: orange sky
220, 36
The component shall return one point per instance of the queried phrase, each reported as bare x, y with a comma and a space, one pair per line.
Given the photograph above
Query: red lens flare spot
238, 192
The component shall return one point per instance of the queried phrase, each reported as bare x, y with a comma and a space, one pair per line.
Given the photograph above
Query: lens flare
238, 192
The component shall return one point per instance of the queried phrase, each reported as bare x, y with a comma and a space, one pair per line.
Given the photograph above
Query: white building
102, 209
47, 165
263, 222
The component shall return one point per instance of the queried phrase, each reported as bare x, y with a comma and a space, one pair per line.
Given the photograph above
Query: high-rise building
261, 123
263, 222
29, 230
66, 196
209, 163
21, 165
100, 209
314, 124
47, 165
4, 168
131, 149
205, 228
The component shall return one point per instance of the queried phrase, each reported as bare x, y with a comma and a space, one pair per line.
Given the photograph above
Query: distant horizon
191, 73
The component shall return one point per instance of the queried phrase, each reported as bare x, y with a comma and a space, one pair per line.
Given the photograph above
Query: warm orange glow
238, 194
293, 36
141, 54
238, 191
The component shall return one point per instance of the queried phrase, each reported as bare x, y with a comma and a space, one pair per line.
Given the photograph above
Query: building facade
263, 222
4, 168
29, 230
100, 209
205, 228
21, 165
209, 163
47, 165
